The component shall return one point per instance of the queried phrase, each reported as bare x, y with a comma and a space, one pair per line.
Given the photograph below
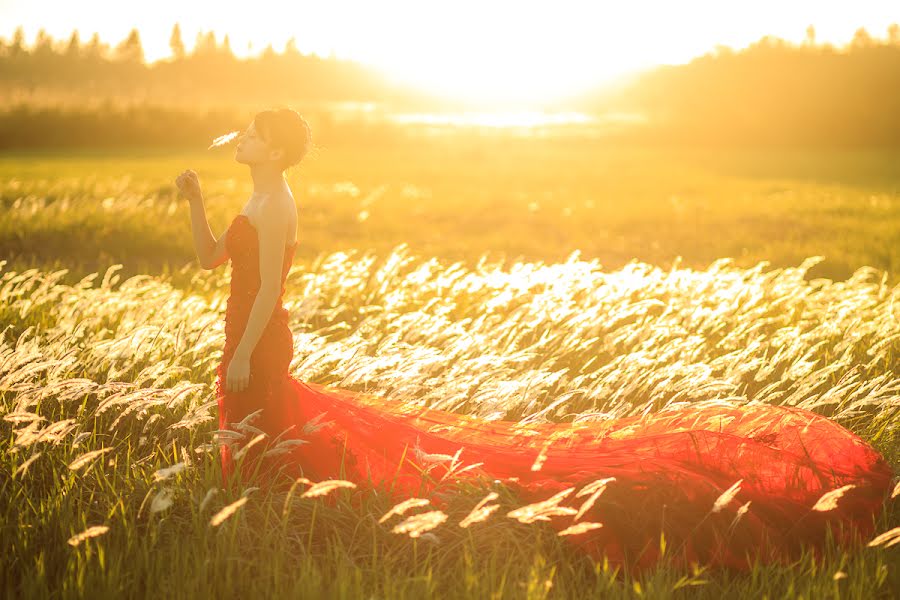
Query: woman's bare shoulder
280, 206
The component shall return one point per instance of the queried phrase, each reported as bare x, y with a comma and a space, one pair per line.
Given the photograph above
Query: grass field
106, 383
458, 198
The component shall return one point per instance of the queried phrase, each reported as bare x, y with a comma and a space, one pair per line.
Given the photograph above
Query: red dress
669, 468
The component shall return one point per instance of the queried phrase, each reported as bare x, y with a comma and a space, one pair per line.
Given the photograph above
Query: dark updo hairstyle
285, 129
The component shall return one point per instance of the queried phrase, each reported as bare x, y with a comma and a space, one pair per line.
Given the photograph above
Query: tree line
771, 93
209, 73
774, 93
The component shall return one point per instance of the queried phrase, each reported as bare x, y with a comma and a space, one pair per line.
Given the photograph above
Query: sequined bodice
271, 357
242, 243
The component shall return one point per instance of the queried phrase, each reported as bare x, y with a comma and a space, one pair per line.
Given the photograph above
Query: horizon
480, 69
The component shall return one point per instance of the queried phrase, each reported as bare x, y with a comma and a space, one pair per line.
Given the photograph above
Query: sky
467, 48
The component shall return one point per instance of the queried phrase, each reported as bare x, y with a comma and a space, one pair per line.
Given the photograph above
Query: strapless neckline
287, 248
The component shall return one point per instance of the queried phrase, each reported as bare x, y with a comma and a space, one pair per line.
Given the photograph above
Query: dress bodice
242, 243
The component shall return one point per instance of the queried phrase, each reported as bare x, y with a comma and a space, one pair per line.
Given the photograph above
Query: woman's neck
266, 179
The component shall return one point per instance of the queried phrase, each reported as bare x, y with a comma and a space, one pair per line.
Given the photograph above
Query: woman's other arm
210, 251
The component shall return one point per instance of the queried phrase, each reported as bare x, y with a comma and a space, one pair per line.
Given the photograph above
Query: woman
724, 484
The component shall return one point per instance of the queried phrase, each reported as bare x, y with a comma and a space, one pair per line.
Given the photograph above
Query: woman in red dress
724, 484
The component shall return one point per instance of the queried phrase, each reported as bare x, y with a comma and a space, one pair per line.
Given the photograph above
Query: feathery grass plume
87, 457
250, 418
542, 511
741, 511
209, 496
541, 458
426, 458
290, 494
829, 500
481, 511
283, 447
402, 507
23, 468
90, 532
891, 536
324, 487
594, 487
838, 575
416, 525
246, 447
167, 472
727, 496
315, 424
224, 139
598, 488
580, 528
247, 429
218, 518
22, 417
162, 500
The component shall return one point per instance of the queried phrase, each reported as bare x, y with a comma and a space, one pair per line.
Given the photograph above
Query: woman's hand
238, 377
189, 185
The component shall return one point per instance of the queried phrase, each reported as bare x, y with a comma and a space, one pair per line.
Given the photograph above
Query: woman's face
252, 149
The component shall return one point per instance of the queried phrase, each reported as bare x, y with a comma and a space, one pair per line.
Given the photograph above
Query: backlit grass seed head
402, 507
888, 538
727, 496
829, 500
226, 512
167, 472
210, 494
580, 528
162, 500
587, 504
86, 458
741, 511
90, 532
481, 511
478, 514
542, 511
325, 487
23, 468
246, 448
416, 525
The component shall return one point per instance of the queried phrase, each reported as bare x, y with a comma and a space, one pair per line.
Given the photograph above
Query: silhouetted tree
96, 50
43, 44
176, 43
205, 45
862, 39
16, 46
810, 36
73, 49
894, 34
290, 48
225, 48
130, 49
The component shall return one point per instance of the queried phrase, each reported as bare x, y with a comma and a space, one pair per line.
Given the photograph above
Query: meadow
505, 277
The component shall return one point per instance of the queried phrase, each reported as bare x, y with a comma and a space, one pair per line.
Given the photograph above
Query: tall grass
110, 479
